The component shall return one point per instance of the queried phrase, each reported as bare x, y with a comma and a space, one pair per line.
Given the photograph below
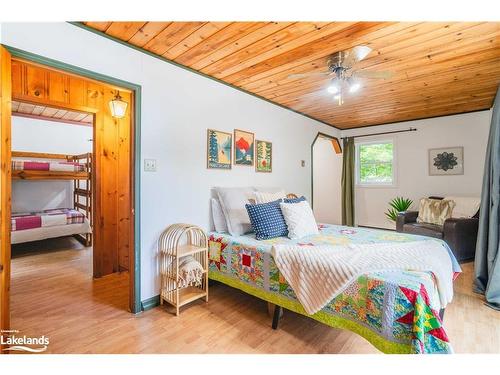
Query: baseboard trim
150, 303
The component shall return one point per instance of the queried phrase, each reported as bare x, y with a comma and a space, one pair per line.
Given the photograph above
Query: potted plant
397, 205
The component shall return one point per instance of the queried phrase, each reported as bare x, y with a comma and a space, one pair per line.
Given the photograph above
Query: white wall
327, 173
177, 108
413, 181
52, 137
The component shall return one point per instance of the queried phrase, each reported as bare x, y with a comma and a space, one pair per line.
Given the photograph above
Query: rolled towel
190, 272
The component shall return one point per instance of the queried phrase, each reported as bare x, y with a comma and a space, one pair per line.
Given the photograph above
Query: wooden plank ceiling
438, 68
43, 112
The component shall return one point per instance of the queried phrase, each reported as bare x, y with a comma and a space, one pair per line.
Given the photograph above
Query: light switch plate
149, 165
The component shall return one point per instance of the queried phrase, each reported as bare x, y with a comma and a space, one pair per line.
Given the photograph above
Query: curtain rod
395, 131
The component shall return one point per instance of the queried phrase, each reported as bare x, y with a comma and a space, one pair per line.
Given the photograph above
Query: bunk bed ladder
82, 195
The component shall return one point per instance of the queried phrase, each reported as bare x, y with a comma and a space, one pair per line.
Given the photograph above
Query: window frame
358, 182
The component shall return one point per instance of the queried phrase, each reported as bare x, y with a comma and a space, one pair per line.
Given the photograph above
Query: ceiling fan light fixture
335, 85
333, 89
354, 86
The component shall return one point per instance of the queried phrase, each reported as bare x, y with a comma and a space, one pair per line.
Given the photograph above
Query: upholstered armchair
459, 234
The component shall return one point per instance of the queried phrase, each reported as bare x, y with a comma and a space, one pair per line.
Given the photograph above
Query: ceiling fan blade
373, 74
361, 52
313, 74
354, 55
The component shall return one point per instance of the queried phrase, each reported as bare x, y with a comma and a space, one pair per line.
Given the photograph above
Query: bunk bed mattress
46, 218
54, 166
396, 311
44, 233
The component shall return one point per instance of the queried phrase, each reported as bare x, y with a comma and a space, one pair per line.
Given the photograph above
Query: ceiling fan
345, 78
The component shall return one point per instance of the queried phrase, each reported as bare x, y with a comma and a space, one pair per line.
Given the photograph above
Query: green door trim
15, 52
319, 135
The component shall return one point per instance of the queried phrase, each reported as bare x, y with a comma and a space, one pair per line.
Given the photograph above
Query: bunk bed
76, 221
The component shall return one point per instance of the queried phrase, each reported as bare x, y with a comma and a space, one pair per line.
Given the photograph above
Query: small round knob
37, 93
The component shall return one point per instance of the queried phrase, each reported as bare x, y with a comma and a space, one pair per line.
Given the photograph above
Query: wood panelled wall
113, 231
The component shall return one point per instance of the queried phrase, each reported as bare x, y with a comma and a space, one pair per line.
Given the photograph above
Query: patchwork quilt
397, 311
56, 166
47, 218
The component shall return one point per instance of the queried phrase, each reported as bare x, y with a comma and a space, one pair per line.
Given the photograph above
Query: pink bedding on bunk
56, 166
46, 218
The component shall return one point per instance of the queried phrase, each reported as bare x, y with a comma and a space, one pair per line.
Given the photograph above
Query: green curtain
348, 155
487, 261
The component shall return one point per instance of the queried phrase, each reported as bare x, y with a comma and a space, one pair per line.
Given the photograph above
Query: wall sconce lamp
118, 106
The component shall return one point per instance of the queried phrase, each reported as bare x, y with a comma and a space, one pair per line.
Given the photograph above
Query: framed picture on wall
446, 161
243, 148
264, 156
219, 150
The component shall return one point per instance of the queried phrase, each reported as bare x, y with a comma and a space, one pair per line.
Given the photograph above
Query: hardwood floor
53, 294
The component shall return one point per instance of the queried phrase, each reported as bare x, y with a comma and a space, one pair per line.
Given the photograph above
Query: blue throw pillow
294, 200
267, 220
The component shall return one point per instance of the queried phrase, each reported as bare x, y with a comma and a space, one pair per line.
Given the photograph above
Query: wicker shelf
173, 277
190, 294
176, 242
185, 250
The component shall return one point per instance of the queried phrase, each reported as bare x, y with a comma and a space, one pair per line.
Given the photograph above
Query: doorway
326, 179
39, 81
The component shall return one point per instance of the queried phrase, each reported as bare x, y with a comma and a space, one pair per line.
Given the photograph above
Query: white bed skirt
43, 233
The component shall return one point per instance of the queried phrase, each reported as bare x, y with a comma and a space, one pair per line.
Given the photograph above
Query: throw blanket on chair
317, 274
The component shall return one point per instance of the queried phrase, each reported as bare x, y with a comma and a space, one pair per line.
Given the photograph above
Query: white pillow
218, 217
267, 189
299, 219
232, 202
264, 197
465, 207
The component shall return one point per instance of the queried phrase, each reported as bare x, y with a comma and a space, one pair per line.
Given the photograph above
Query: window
375, 163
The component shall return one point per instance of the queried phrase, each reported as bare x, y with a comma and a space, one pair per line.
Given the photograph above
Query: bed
45, 166
55, 166
36, 166
396, 311
35, 226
